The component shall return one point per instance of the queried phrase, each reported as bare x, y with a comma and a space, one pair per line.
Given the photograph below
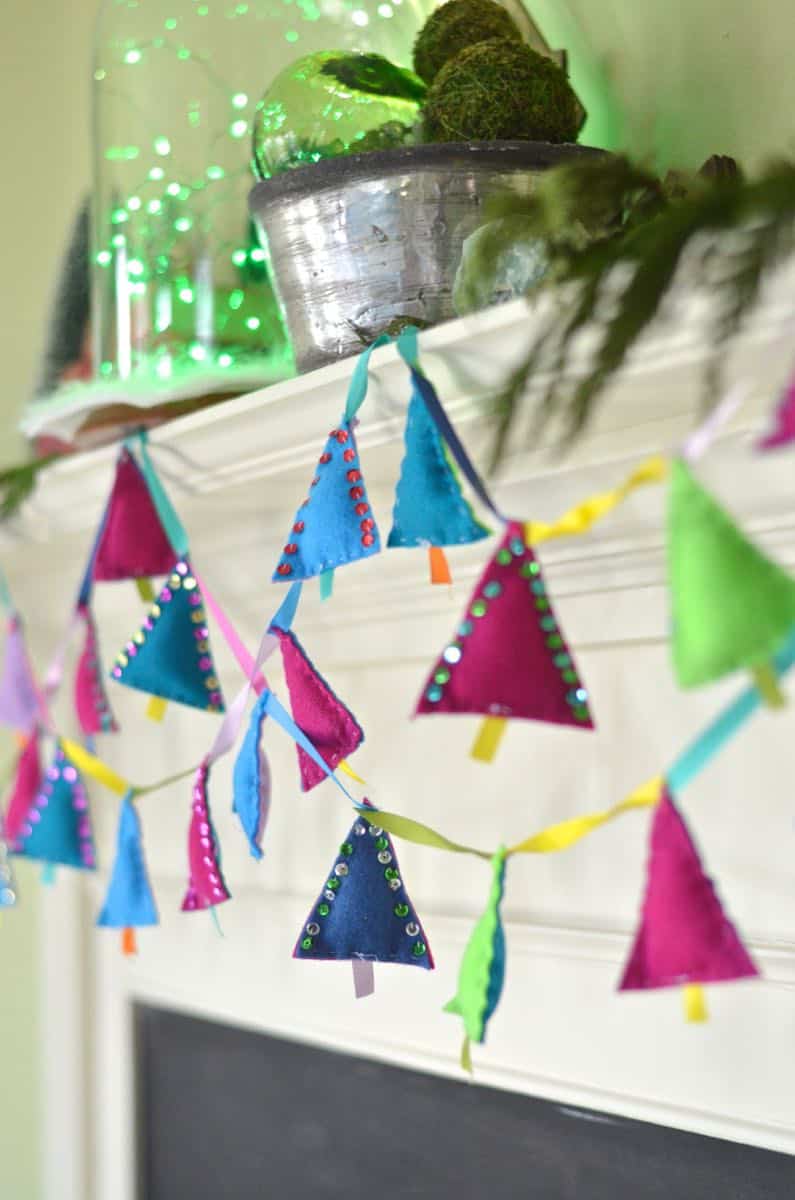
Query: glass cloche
181, 291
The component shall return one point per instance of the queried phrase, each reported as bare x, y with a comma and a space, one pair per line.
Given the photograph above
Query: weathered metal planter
359, 241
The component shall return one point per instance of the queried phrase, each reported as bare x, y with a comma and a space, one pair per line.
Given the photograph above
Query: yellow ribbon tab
145, 590
343, 766
156, 708
488, 739
587, 513
94, 767
695, 1003
566, 833
768, 686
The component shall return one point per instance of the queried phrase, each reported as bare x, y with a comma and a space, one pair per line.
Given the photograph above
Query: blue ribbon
357, 389
174, 529
285, 614
282, 717
700, 753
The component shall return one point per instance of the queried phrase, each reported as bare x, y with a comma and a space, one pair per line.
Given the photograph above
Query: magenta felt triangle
684, 935
206, 886
335, 524
19, 701
133, 543
318, 712
27, 782
509, 657
91, 701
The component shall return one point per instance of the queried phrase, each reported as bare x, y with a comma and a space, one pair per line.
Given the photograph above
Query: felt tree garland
206, 885
129, 903
363, 911
508, 658
132, 542
335, 524
482, 972
318, 712
57, 826
684, 937
430, 509
170, 656
252, 780
19, 697
732, 606
91, 702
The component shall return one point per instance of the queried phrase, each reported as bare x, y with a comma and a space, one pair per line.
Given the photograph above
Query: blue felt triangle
170, 655
364, 910
129, 902
58, 826
251, 780
335, 525
430, 509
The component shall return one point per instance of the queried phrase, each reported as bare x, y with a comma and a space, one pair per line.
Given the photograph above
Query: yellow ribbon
156, 708
489, 736
566, 833
349, 771
695, 1003
145, 590
94, 767
588, 512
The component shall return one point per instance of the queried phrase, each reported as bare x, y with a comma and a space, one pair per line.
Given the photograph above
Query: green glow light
202, 10
224, 360
291, 36
174, 189
385, 10
239, 257
215, 172
239, 100
132, 57
360, 17
134, 203
104, 257
183, 224
197, 353
186, 295
164, 368
119, 216
154, 206
138, 289
162, 146
183, 53
170, 23
100, 74
156, 173
118, 240
135, 266
106, 368
258, 255
252, 322
238, 129
241, 9
121, 153
236, 298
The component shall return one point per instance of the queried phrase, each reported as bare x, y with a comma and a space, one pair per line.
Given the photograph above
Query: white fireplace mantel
236, 474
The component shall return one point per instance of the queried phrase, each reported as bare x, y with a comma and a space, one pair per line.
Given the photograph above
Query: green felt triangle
732, 606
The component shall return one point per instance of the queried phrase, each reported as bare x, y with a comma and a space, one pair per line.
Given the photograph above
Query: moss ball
500, 91
456, 26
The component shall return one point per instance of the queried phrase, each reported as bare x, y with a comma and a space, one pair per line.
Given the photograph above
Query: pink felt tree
206, 885
685, 936
132, 543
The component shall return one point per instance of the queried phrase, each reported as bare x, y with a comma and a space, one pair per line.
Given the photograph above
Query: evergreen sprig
618, 240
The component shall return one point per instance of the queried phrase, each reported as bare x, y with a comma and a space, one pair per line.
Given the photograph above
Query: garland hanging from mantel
506, 660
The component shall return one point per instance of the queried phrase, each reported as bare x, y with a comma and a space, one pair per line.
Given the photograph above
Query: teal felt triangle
57, 828
170, 655
335, 524
430, 509
129, 902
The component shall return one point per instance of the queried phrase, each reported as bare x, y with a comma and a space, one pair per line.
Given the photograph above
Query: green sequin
517, 547
554, 640
492, 589
418, 949
562, 660
503, 557
333, 884
401, 910
434, 694
581, 714
528, 569
442, 675
465, 628
391, 873
323, 909
381, 843
548, 624
347, 849
541, 603
479, 608
306, 944
569, 676
537, 587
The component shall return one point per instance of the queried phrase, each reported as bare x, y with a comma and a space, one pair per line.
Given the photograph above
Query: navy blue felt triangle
364, 911
170, 655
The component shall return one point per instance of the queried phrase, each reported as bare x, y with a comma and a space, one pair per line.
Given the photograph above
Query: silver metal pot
359, 241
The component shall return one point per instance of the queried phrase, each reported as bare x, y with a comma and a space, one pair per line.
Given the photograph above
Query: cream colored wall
44, 82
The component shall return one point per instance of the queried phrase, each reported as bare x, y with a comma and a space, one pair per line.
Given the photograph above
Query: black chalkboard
225, 1114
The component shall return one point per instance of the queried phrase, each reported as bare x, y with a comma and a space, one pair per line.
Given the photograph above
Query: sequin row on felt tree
169, 657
